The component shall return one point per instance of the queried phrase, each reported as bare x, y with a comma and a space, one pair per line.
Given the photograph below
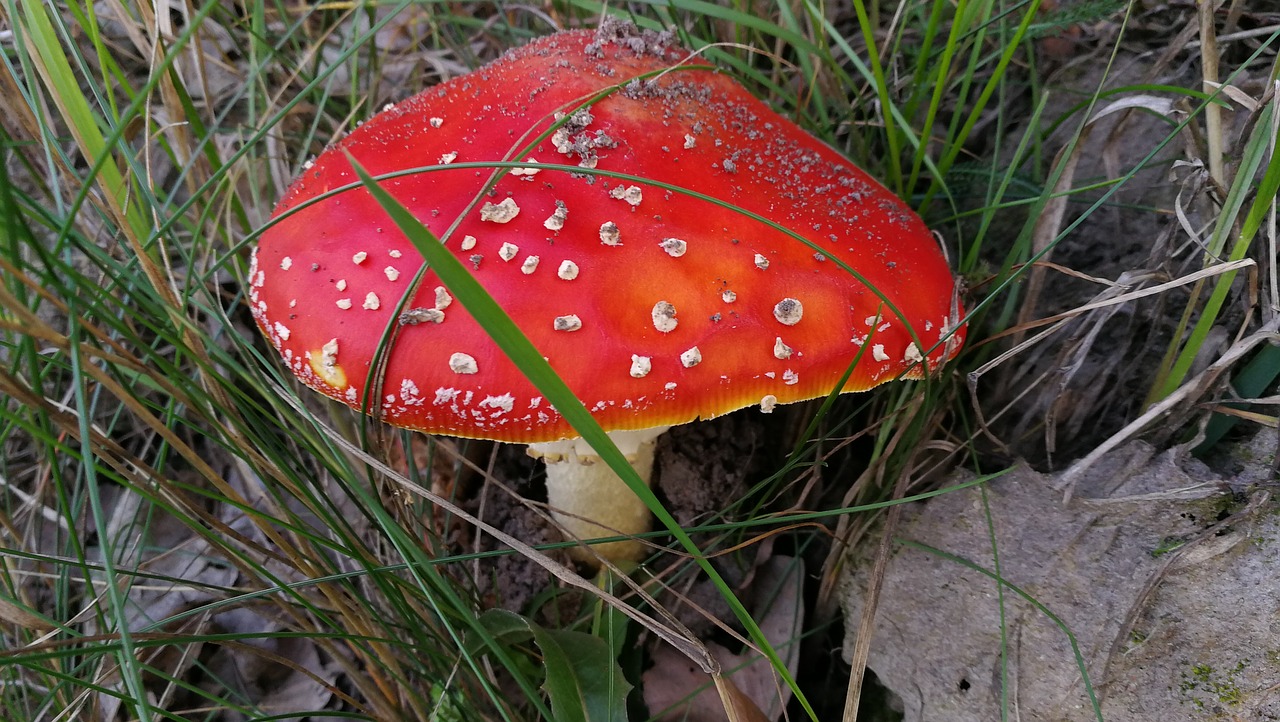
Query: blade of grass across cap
512, 342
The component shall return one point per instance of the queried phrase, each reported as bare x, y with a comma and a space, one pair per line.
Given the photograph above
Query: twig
866, 627
1139, 603
1209, 74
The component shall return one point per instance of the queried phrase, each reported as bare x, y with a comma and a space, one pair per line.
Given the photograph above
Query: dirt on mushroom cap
329, 275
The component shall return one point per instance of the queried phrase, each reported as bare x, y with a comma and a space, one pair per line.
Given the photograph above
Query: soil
702, 470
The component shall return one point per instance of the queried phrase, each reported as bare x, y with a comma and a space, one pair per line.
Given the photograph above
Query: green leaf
583, 682
445, 706
1250, 382
1254, 156
607, 621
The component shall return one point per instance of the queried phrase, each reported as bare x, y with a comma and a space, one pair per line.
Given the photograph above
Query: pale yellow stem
589, 501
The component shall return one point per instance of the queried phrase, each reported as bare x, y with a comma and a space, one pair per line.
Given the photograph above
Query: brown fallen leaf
748, 690
12, 613
738, 707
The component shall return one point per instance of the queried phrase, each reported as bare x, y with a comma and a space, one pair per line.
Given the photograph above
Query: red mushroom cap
654, 306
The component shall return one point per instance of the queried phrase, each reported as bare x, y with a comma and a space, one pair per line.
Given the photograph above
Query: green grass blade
509, 339
55, 69
1263, 203
1027, 597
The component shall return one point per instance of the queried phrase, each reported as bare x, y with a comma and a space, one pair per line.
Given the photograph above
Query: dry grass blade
866, 625
671, 632
1118, 293
1209, 70
12, 613
1194, 389
1047, 227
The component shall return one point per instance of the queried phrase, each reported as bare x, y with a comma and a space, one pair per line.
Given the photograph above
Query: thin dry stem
1185, 394
866, 625
1209, 73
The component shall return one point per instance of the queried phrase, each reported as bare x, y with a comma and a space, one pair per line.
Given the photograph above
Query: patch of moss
1166, 545
1215, 508
1207, 688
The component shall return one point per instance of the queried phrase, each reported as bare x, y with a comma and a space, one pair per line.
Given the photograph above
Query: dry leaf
677, 689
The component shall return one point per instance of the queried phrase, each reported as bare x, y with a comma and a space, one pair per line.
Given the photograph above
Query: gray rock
1165, 576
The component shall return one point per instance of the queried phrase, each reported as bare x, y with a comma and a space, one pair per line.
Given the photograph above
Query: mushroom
656, 306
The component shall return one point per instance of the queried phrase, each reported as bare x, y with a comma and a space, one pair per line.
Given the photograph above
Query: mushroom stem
589, 501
